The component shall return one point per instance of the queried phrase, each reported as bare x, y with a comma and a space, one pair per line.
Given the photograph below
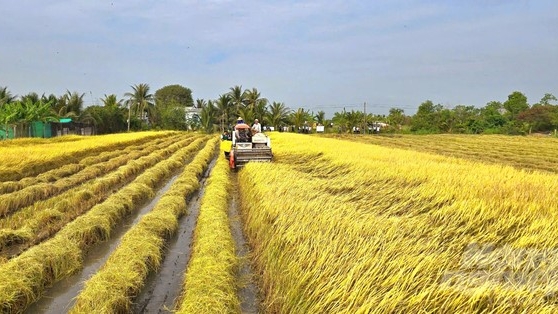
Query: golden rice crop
209, 283
112, 288
521, 152
342, 227
37, 226
23, 279
19, 161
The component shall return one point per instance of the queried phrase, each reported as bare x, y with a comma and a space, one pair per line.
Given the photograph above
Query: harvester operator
242, 131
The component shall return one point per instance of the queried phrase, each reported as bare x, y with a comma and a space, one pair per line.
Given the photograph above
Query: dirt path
60, 297
248, 290
164, 287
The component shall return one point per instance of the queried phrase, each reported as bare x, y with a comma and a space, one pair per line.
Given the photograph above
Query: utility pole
365, 129
129, 109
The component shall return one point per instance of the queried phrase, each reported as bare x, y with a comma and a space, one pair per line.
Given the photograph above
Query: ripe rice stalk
41, 158
40, 191
76, 202
392, 229
209, 283
80, 235
141, 249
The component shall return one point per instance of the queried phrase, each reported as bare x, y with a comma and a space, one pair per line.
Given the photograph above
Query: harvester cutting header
248, 144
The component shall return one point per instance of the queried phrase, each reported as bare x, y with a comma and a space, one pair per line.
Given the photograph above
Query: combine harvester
248, 146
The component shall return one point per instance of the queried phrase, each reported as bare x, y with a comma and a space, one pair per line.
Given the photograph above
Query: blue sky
318, 55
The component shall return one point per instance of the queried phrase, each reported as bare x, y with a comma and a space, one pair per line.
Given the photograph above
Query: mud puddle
60, 297
248, 289
162, 289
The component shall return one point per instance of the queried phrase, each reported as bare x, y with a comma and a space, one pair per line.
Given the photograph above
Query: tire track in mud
163, 288
247, 287
60, 297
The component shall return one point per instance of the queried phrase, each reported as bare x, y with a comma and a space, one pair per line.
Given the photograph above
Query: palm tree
111, 101
208, 113
253, 97
224, 107
320, 117
69, 105
340, 120
354, 118
5, 96
260, 111
51, 99
300, 117
247, 114
33, 97
278, 114
74, 102
238, 98
140, 102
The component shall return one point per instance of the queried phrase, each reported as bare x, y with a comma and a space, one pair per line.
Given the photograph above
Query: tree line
173, 108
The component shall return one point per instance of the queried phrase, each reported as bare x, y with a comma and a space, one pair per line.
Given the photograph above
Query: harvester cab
247, 146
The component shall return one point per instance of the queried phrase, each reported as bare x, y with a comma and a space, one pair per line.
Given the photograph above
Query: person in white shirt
256, 127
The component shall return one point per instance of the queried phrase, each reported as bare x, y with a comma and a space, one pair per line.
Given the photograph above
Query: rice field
335, 224
338, 226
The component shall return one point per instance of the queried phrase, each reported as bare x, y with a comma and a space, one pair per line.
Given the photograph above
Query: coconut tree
238, 97
354, 118
112, 101
5, 96
208, 113
320, 117
68, 105
340, 121
300, 117
74, 102
33, 97
224, 108
277, 114
253, 98
140, 103
260, 111
247, 114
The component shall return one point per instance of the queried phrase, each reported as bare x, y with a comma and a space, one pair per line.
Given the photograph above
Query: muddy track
60, 297
164, 287
247, 287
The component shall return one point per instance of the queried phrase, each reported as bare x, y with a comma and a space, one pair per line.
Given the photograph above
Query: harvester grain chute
248, 147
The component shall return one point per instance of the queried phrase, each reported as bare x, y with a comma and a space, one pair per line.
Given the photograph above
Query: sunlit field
339, 226
335, 223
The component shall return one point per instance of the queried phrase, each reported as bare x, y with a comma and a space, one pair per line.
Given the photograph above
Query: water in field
60, 297
248, 291
163, 288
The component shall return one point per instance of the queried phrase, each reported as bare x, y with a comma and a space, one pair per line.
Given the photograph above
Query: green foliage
141, 106
428, 118
541, 118
278, 114
6, 96
108, 119
208, 112
300, 117
174, 95
516, 103
396, 116
170, 104
172, 118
